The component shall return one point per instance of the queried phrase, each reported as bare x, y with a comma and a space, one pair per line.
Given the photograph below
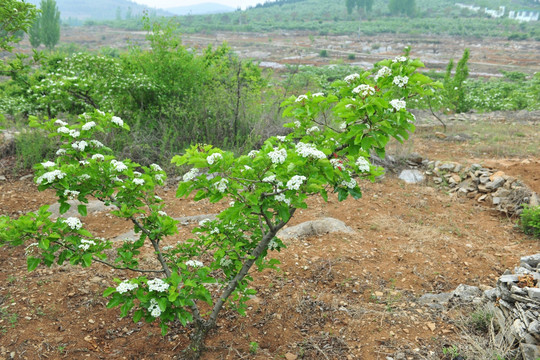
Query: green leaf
109, 291
137, 315
162, 302
64, 207
32, 263
44, 244
82, 210
115, 301
87, 260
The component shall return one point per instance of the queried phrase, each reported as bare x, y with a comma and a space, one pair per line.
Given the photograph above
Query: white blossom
74, 223
281, 138
158, 198
225, 262
253, 153
269, 179
364, 90
194, 263
301, 98
160, 178
61, 152
116, 120
156, 167
74, 133
85, 244
282, 198
137, 174
48, 164
349, 79
83, 162
363, 164
273, 245
398, 104
63, 130
84, 177
162, 213
79, 145
295, 182
204, 222
50, 176
399, 59
88, 125
278, 156
383, 72
401, 81
71, 194
191, 174
98, 157
118, 165
309, 150
221, 185
297, 124
60, 122
318, 94
154, 309
247, 168
126, 286
138, 181
337, 164
96, 143
213, 158
157, 285
312, 129
350, 184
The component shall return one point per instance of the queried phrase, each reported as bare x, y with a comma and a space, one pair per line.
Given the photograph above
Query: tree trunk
196, 345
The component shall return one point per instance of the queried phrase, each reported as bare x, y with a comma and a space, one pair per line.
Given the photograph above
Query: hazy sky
174, 3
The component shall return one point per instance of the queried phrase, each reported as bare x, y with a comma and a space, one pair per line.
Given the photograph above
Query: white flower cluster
204, 222
61, 152
398, 104
253, 153
74, 133
362, 164
84, 177
399, 59
126, 286
160, 178
212, 158
154, 309
194, 263
191, 174
63, 130
281, 138
98, 157
401, 81
221, 185
349, 79
79, 145
50, 176
71, 194
118, 165
48, 164
138, 181
273, 245
312, 129
116, 120
300, 98
88, 126
318, 94
282, 198
96, 143
247, 168
85, 244
74, 223
297, 124
278, 156
364, 90
383, 72
60, 122
225, 262
269, 178
309, 150
83, 162
336, 163
157, 285
295, 182
156, 167
350, 184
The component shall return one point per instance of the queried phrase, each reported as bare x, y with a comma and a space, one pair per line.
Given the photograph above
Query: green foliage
32, 147
402, 7
15, 17
454, 91
35, 33
323, 53
49, 23
480, 320
364, 6
530, 221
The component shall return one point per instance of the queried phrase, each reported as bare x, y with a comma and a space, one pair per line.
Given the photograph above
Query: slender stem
125, 268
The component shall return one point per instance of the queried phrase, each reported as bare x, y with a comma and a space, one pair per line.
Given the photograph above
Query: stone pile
517, 308
504, 192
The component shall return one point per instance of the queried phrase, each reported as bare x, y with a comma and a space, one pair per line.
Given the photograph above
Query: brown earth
337, 296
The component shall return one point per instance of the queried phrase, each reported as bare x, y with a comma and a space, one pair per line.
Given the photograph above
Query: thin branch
433, 113
125, 268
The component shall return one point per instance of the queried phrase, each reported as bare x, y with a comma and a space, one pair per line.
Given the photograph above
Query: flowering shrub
328, 147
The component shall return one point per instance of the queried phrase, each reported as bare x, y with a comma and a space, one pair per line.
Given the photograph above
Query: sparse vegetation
530, 221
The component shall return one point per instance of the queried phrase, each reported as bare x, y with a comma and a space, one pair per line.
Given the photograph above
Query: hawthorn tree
329, 144
15, 18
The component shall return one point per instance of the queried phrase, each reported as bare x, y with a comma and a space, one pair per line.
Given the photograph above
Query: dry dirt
337, 296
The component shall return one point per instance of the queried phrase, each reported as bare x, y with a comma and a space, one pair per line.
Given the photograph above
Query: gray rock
532, 260
517, 290
467, 293
492, 294
411, 176
2, 178
496, 200
534, 327
93, 206
476, 167
518, 329
26, 177
530, 352
447, 167
315, 227
508, 278
496, 183
534, 293
441, 298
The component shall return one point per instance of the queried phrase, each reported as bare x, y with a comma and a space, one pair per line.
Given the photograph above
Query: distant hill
101, 9
201, 9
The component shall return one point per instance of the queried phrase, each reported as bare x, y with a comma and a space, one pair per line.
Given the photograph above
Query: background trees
405, 7
362, 5
46, 28
15, 18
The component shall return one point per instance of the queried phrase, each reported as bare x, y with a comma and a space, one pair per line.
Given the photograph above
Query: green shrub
530, 221
323, 53
351, 56
32, 147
